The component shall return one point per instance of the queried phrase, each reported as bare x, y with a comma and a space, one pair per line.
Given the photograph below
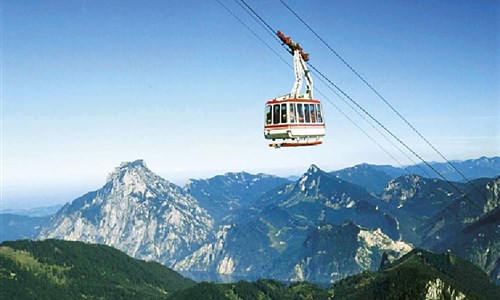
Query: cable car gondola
295, 119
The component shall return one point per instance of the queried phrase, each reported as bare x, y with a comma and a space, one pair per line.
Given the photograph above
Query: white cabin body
294, 122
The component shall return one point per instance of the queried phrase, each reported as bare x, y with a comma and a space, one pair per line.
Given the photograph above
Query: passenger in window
283, 113
269, 114
292, 112
320, 118
276, 114
301, 113
313, 113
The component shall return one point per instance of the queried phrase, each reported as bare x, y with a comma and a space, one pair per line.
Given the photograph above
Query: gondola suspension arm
299, 66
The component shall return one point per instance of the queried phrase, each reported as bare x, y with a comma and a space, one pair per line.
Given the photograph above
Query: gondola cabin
294, 122
295, 119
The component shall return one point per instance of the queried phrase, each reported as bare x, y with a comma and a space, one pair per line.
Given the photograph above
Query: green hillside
243, 290
56, 269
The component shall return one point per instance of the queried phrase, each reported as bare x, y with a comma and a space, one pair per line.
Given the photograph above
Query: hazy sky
182, 85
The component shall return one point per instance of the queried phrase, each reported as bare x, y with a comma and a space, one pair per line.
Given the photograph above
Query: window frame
292, 115
307, 113
276, 114
284, 113
319, 111
300, 113
269, 114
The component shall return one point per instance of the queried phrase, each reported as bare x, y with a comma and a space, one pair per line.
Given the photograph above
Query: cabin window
292, 113
312, 107
320, 117
307, 113
276, 114
283, 113
269, 114
300, 111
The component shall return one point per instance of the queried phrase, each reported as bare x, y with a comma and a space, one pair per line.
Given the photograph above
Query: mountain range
33, 212
375, 177
322, 227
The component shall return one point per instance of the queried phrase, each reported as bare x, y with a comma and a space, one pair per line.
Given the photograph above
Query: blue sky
182, 85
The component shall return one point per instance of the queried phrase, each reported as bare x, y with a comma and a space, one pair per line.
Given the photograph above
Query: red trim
315, 143
294, 125
295, 100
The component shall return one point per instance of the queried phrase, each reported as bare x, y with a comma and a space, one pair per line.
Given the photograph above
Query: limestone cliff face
137, 212
333, 252
437, 289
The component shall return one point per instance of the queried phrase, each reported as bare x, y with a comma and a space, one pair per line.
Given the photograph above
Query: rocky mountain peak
135, 163
136, 168
310, 179
404, 187
313, 169
135, 178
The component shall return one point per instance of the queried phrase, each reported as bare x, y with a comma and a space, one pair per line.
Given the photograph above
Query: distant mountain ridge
320, 227
375, 177
222, 195
371, 177
483, 167
34, 212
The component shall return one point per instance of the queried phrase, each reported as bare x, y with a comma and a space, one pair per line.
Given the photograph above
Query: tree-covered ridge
420, 275
260, 289
55, 269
